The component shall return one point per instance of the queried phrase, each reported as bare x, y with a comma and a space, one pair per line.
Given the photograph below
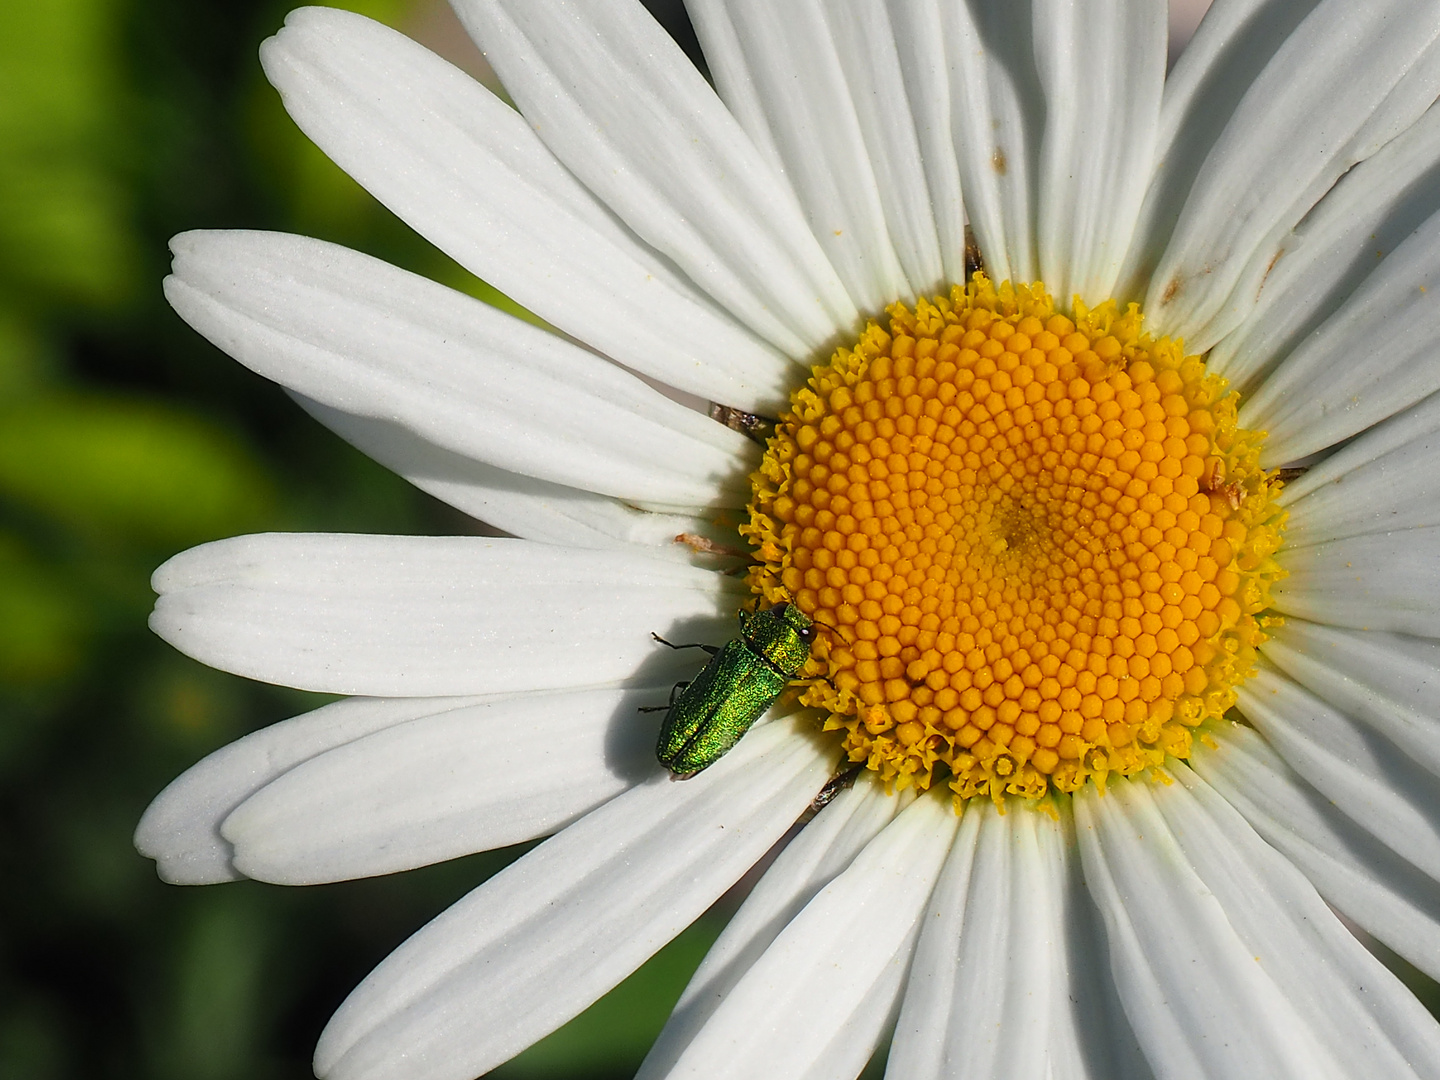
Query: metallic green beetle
707, 716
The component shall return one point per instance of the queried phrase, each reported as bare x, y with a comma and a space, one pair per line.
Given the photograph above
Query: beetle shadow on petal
630, 734
630, 741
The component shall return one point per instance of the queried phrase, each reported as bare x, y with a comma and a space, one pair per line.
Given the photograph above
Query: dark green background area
124, 438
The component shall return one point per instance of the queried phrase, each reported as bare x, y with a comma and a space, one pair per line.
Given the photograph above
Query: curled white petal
470, 779
1289, 139
997, 113
1199, 1002
1102, 65
180, 829
1371, 781
364, 337
406, 615
824, 89
1256, 975
1318, 395
1229, 49
925, 68
990, 991
1381, 481
1359, 223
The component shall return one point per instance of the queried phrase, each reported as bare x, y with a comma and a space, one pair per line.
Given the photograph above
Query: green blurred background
124, 438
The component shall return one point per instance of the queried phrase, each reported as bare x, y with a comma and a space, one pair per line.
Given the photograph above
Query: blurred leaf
54, 79
44, 620
32, 1040
217, 1012
63, 233
145, 470
615, 1033
95, 872
27, 359
65, 228
187, 706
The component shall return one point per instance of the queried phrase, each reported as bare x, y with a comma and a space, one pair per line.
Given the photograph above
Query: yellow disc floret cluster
1038, 546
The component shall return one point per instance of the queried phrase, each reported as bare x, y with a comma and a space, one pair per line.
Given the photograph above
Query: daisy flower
1120, 541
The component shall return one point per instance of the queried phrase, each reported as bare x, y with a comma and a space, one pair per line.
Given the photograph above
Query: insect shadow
631, 734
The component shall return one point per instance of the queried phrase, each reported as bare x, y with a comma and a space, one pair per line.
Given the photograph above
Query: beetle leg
711, 649
673, 691
842, 779
837, 783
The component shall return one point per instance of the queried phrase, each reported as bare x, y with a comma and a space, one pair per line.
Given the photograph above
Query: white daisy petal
1388, 681
872, 66
729, 72
1412, 425
1290, 138
438, 787
1391, 320
359, 335
180, 829
549, 934
925, 67
917, 1049
1361, 1012
1351, 869
1233, 45
1181, 969
817, 1002
832, 103
1102, 66
1369, 780
521, 505
1382, 481
1093, 1039
1367, 215
618, 102
1318, 396
989, 989
1229, 49
1228, 962
410, 615
1382, 581
468, 174
809, 862
998, 112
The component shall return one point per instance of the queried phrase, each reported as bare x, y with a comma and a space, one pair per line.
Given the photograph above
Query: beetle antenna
833, 630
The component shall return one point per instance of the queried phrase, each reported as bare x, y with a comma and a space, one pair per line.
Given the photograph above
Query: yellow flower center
1038, 547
